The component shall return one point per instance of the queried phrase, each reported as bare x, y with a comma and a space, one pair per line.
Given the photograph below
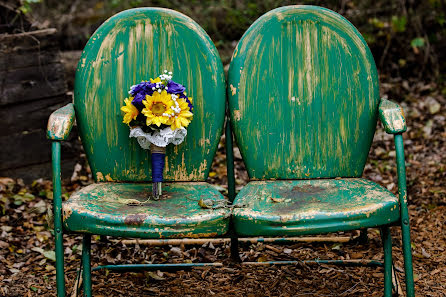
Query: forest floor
27, 266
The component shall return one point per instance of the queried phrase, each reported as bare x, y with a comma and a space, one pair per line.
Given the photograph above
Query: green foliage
22, 197
399, 23
441, 20
377, 23
26, 5
417, 42
396, 31
34, 289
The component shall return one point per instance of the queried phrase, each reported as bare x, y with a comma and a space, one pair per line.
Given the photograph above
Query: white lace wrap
159, 138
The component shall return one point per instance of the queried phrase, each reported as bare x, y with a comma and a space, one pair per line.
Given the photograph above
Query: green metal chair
132, 46
304, 101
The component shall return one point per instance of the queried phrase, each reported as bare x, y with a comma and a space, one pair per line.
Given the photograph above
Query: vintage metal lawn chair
304, 102
132, 46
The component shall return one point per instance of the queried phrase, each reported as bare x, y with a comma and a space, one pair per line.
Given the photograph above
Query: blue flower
174, 88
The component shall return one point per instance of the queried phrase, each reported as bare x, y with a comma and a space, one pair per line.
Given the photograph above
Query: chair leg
86, 265
405, 226
407, 252
58, 229
60, 273
363, 236
387, 244
234, 250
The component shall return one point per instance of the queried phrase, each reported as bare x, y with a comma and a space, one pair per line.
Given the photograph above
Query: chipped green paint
392, 117
303, 100
136, 45
303, 95
109, 209
60, 123
298, 207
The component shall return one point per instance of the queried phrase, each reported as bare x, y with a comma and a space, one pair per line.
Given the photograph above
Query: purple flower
137, 100
148, 88
175, 88
143, 87
139, 93
135, 89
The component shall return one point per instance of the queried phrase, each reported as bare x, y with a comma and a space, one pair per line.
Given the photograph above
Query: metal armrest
392, 117
59, 127
60, 123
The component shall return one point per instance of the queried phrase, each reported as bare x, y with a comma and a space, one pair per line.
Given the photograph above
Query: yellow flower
131, 112
184, 117
158, 108
156, 80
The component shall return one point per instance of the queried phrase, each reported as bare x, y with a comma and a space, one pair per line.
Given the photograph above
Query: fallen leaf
40, 207
6, 228
287, 251
154, 275
432, 105
37, 249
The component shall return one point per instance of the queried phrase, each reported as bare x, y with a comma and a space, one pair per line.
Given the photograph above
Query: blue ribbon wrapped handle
158, 162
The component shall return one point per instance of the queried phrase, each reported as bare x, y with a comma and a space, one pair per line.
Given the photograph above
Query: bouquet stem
157, 190
158, 162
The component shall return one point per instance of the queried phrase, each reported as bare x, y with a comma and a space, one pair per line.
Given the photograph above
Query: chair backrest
303, 95
136, 45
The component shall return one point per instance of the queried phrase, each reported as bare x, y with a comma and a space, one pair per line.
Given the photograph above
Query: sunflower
131, 112
183, 118
158, 108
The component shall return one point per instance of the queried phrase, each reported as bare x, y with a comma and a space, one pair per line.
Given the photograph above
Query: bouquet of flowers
158, 112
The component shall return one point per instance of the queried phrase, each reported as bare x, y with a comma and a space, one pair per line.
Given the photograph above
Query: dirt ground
26, 240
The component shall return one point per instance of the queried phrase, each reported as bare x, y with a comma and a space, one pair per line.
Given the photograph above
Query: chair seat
123, 209
299, 207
